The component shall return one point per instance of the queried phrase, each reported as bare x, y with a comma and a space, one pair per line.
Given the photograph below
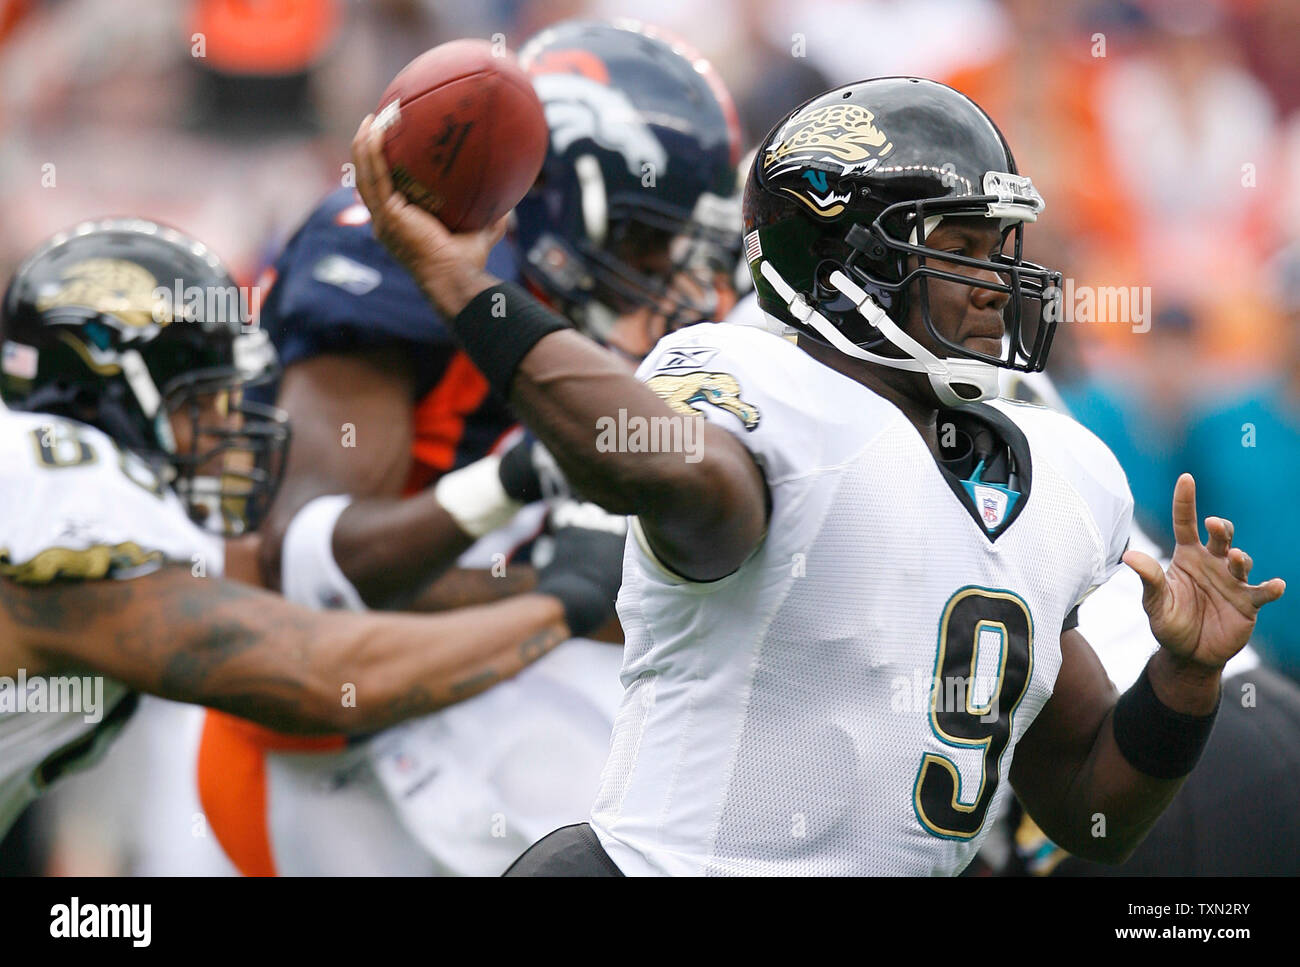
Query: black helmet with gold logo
840, 199
135, 328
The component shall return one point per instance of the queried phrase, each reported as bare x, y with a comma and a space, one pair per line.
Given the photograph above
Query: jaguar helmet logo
840, 138
124, 292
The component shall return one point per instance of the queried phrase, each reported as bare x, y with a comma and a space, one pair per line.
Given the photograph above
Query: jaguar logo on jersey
840, 138
717, 389
118, 289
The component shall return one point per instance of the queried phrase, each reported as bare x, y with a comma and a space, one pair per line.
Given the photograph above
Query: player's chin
984, 344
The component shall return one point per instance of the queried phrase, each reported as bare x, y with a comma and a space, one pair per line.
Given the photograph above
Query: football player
626, 233
124, 340
1203, 832
860, 517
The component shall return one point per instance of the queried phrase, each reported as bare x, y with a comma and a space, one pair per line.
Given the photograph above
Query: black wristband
498, 328
1155, 739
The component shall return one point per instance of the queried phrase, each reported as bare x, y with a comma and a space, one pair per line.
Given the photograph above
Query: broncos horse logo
840, 139
717, 389
579, 107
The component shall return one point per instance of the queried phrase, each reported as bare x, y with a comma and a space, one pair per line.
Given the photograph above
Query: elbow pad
309, 575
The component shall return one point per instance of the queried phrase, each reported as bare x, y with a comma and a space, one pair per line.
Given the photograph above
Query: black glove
529, 473
587, 568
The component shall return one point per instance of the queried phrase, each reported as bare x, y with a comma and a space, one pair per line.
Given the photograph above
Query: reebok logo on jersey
348, 275
684, 360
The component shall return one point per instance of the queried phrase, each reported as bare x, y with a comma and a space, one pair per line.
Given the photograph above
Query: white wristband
475, 499
309, 575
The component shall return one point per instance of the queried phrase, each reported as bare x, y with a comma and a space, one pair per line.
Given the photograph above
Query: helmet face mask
666, 266
228, 460
1028, 337
841, 204
92, 332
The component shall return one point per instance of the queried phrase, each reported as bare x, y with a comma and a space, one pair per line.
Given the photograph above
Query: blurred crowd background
1164, 135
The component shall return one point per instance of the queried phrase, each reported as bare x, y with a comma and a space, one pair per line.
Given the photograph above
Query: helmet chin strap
978, 378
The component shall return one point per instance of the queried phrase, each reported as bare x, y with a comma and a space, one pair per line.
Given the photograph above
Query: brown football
464, 132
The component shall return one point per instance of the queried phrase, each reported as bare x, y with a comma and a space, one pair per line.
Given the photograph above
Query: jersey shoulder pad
335, 288
77, 506
1087, 464
792, 412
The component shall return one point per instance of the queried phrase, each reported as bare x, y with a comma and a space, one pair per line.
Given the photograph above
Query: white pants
460, 792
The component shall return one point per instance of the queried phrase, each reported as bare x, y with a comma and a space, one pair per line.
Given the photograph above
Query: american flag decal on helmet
753, 248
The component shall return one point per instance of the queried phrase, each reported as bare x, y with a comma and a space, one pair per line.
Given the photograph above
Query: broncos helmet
642, 155
123, 323
843, 193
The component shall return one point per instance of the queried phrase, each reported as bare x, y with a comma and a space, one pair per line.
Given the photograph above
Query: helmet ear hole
827, 296
837, 306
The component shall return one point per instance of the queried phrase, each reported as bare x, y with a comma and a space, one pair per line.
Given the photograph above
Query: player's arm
702, 519
1095, 770
255, 655
1069, 772
241, 560
352, 420
463, 587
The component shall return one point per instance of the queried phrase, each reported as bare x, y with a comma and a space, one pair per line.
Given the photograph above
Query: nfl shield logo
990, 509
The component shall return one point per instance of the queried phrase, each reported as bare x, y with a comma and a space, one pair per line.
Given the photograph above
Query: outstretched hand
1202, 610
447, 265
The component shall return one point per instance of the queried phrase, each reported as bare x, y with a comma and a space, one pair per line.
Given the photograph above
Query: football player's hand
447, 265
587, 567
1202, 610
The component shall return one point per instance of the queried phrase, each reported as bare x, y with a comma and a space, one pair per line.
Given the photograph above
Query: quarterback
860, 511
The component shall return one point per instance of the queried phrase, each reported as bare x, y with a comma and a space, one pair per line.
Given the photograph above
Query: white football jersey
478, 782
75, 506
782, 720
462, 791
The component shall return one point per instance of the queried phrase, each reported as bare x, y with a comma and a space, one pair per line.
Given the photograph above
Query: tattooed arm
463, 587
255, 655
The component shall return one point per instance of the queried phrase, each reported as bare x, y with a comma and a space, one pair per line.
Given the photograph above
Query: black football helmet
642, 155
123, 323
844, 191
